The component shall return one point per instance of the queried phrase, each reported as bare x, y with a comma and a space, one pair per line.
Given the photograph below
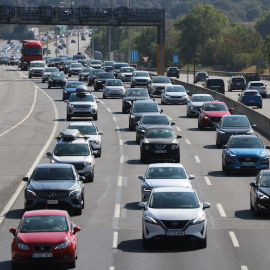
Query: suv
73, 148
36, 68
75, 69
116, 68
259, 86
157, 85
82, 104
252, 76
201, 76
173, 72
140, 78
101, 79
236, 83
215, 85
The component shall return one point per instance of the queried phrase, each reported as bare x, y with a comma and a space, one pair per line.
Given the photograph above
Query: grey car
195, 103
47, 73
139, 79
232, 125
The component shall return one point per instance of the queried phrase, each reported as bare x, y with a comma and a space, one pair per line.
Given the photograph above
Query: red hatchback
211, 113
45, 237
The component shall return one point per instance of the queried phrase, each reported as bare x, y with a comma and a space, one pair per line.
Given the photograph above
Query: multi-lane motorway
32, 115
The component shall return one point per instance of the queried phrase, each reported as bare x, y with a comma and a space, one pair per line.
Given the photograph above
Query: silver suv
36, 68
73, 148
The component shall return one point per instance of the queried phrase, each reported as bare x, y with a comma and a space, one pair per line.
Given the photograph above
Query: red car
211, 112
45, 237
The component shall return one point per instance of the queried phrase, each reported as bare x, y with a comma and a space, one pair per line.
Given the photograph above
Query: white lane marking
178, 128
207, 180
109, 110
121, 142
112, 268
120, 181
117, 211
187, 141
122, 159
169, 118
234, 239
244, 267
114, 119
4, 82
197, 159
221, 210
115, 239
39, 157
101, 102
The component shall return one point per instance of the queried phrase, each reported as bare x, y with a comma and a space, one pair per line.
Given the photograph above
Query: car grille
78, 166
160, 146
82, 106
160, 88
176, 97
42, 248
215, 119
141, 80
248, 159
42, 260
175, 224
58, 194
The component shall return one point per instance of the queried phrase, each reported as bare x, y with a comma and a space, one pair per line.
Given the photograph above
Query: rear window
215, 82
257, 84
238, 79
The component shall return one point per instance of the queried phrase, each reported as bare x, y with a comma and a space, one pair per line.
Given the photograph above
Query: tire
137, 139
251, 206
132, 86
142, 159
188, 115
200, 126
15, 266
63, 97
68, 117
69, 75
29, 76
72, 265
259, 107
104, 96
177, 160
49, 86
227, 170
218, 144
91, 178
203, 243
130, 127
95, 117
78, 212
146, 242
83, 202
229, 90
43, 81
123, 110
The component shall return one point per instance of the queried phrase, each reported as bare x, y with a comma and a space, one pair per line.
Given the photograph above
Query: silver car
126, 73
140, 78
158, 84
73, 148
259, 86
47, 73
113, 88
163, 175
174, 94
195, 103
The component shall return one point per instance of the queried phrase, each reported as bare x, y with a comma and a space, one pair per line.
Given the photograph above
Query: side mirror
142, 205
82, 178
267, 147
76, 229
162, 91
49, 154
190, 177
224, 147
26, 179
161, 111
253, 184
100, 133
206, 205
239, 95
151, 95
231, 109
172, 123
141, 177
97, 100
253, 125
178, 136
13, 231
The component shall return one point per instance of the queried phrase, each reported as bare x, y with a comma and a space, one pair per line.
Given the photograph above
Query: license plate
160, 151
52, 202
251, 100
42, 255
175, 233
83, 109
248, 163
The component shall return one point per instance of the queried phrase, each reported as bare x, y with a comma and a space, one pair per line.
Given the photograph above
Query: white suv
36, 68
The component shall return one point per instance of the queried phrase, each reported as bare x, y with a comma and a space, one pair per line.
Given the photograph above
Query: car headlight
70, 105
265, 160
74, 192
132, 116
63, 245
232, 155
22, 246
198, 220
205, 117
250, 132
262, 196
221, 132
263, 154
147, 189
151, 220
174, 146
141, 128
31, 192
230, 160
167, 96
192, 107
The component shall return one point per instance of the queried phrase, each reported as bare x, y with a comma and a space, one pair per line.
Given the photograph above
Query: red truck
31, 51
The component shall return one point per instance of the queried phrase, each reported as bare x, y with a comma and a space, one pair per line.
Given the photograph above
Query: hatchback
250, 98
236, 83
172, 72
259, 86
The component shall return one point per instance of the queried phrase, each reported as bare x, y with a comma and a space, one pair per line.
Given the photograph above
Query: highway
32, 115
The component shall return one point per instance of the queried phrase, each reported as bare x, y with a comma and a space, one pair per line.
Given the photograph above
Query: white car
174, 212
36, 68
195, 103
259, 86
163, 175
174, 94
125, 73
90, 130
158, 84
113, 88
140, 78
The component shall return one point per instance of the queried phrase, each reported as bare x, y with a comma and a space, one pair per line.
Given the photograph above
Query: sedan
174, 213
244, 152
44, 237
93, 74
126, 73
54, 186
47, 73
195, 103
250, 98
113, 88
57, 79
101, 79
84, 74
211, 113
157, 84
174, 94
260, 193
259, 86
163, 175
70, 88
139, 79
232, 125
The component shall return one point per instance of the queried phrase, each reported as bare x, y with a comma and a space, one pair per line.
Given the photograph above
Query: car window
71, 150
152, 120
159, 134
141, 74
201, 98
165, 172
114, 83
245, 143
73, 84
215, 107
142, 107
81, 98
175, 88
157, 79
53, 174
251, 94
257, 84
235, 122
265, 181
87, 130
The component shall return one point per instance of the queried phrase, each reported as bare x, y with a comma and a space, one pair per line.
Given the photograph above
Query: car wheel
200, 126
63, 97
69, 75
95, 117
218, 144
227, 170
188, 115
104, 96
132, 86
68, 117
95, 89
15, 266
203, 242
123, 110
49, 86
30, 76
229, 90
72, 265
89, 84
251, 206
83, 202
78, 212
259, 107
43, 81
130, 127
137, 139
177, 160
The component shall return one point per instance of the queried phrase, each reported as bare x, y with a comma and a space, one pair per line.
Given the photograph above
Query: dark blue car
70, 88
244, 152
250, 98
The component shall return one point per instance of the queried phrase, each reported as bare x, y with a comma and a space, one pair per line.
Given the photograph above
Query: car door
253, 190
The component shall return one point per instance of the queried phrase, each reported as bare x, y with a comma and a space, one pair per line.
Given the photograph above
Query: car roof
136, 89
251, 90
145, 101
55, 165
234, 116
45, 212
160, 127
173, 189
215, 102
79, 140
207, 95
158, 165
256, 82
245, 136
81, 124
154, 115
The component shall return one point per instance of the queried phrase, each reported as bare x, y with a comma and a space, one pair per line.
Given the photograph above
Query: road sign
145, 58
175, 59
134, 56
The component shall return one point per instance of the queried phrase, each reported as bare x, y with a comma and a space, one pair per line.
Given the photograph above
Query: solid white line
39, 157
178, 128
221, 210
121, 142
120, 181
207, 180
112, 268
197, 159
234, 239
122, 159
4, 82
101, 102
109, 110
117, 211
115, 239
187, 141
169, 118
114, 119
244, 267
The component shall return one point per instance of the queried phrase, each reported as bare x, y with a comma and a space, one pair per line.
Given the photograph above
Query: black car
108, 65
93, 74
236, 83
61, 65
200, 76
140, 107
54, 186
54, 62
172, 72
57, 79
215, 84
160, 143
84, 73
131, 95
149, 120
101, 80
252, 76
260, 193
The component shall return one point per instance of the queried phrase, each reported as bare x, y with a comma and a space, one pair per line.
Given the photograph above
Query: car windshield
174, 200
265, 180
108, 64
178, 88
105, 75
154, 120
215, 82
76, 65
142, 107
114, 83
37, 65
140, 93
77, 149
58, 75
96, 71
87, 130
245, 143
251, 93
157, 79
41, 174
159, 133
96, 62
44, 224
73, 84
235, 122
257, 84
201, 98
237, 80
141, 74
50, 70
81, 98
86, 69
215, 107
127, 69
165, 173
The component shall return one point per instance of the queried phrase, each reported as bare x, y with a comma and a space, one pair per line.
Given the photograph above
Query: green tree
263, 23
